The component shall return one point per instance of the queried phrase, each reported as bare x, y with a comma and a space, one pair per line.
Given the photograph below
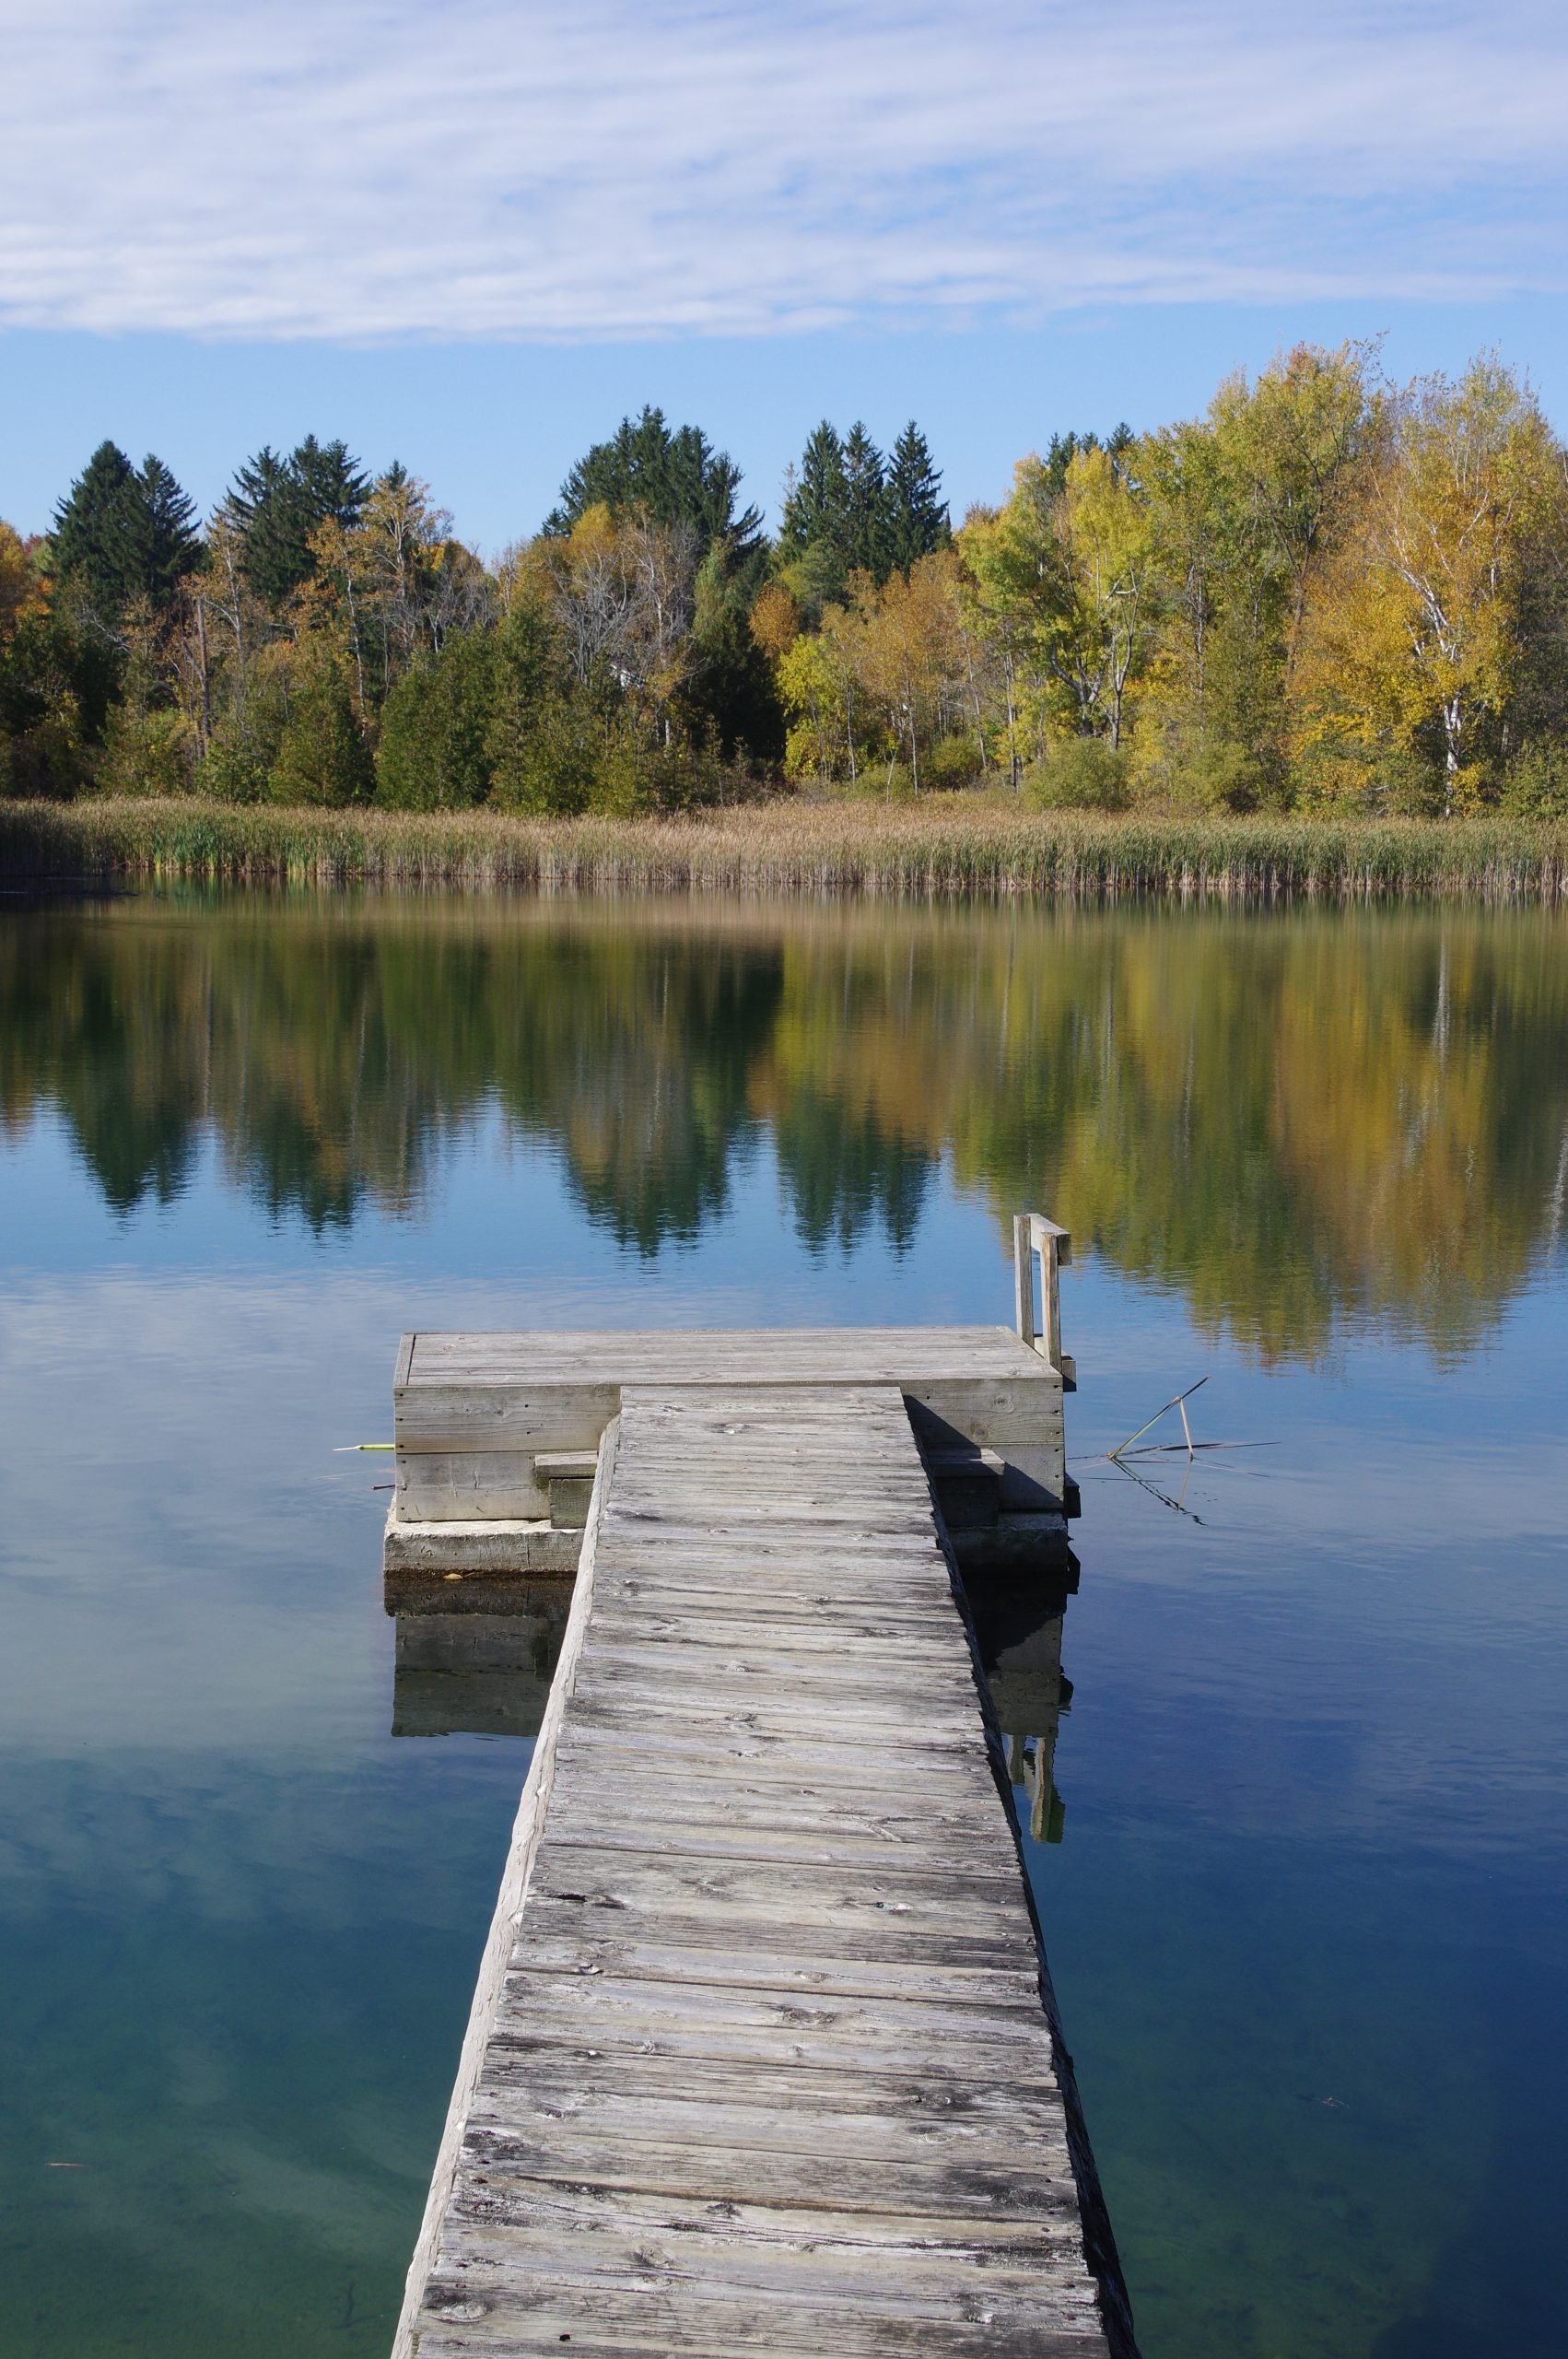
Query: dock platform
763, 2057
497, 1434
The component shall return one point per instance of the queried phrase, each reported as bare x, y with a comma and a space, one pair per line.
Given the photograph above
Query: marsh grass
942, 847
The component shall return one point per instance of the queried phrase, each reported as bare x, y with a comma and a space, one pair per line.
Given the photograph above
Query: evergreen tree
846, 511
322, 755
124, 533
814, 540
542, 745
866, 536
1065, 447
277, 503
732, 702
665, 478
172, 544
435, 726
816, 504
96, 536
917, 514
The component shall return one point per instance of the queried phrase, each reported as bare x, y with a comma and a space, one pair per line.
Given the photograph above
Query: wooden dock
763, 2055
496, 1436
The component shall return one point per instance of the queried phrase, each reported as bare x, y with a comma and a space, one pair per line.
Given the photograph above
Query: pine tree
917, 514
675, 479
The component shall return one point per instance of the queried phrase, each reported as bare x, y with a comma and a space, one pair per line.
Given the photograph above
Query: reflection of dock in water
478, 1675
761, 2055
1018, 1624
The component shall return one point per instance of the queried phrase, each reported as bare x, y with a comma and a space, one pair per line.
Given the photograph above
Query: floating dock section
762, 2058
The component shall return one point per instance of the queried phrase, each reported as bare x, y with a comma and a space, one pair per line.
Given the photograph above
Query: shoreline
944, 848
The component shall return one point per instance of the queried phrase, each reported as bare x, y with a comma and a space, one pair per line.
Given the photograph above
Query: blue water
1309, 1916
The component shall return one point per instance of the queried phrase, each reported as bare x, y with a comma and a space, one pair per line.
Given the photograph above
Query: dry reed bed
943, 848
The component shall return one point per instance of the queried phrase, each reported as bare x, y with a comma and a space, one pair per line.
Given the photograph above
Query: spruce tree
124, 533
867, 540
95, 530
173, 545
816, 505
666, 478
1065, 447
277, 503
916, 512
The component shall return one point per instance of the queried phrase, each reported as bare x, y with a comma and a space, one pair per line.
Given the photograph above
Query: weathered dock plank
761, 2060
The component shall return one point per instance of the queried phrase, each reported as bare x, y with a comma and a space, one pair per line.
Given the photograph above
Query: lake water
1308, 1911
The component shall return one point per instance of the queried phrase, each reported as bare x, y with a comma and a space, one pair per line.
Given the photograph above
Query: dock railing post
1024, 1278
1031, 1234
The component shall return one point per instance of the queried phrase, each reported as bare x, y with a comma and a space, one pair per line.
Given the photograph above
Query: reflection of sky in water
1307, 1920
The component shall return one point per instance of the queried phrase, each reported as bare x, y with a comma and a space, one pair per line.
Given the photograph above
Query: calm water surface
1308, 1912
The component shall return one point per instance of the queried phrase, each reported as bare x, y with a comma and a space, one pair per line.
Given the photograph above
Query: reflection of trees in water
651, 1043
1288, 1118
145, 1026
840, 1085
844, 1176
1293, 1118
113, 1044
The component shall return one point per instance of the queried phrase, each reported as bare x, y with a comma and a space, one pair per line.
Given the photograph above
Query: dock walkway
760, 2059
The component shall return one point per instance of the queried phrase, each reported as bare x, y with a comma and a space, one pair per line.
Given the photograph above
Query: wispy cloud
365, 170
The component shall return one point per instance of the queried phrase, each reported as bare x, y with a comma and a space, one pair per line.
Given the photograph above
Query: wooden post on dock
1031, 1234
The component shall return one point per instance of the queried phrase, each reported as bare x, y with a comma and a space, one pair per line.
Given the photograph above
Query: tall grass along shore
947, 846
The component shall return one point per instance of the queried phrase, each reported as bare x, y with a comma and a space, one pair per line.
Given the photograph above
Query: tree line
1328, 590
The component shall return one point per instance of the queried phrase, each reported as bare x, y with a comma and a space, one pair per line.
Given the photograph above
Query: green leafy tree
44, 729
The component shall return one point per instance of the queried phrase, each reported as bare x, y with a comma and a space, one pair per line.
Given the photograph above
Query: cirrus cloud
366, 170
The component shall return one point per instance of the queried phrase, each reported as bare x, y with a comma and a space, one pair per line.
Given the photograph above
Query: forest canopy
1327, 592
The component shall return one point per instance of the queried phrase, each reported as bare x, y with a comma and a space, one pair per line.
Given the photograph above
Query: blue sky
471, 235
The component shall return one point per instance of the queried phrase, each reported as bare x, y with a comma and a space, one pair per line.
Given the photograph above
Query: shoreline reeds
944, 848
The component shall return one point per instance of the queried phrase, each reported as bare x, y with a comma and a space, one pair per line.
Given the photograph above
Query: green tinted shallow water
1308, 1915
